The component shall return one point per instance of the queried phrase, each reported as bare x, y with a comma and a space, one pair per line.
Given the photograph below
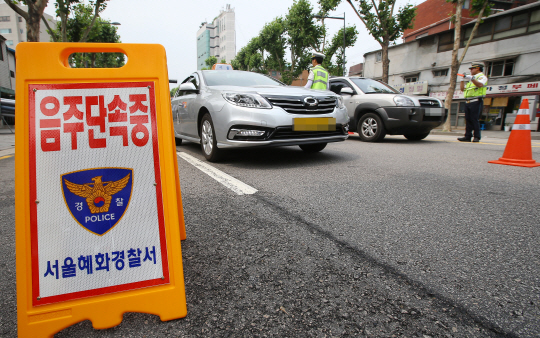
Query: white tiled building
217, 38
13, 26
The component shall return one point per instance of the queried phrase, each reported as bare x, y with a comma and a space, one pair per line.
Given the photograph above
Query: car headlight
403, 101
339, 102
247, 100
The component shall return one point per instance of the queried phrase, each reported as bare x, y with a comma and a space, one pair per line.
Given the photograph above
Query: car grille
429, 103
296, 105
285, 133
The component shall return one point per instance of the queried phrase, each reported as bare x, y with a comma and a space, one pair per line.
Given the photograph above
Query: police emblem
98, 198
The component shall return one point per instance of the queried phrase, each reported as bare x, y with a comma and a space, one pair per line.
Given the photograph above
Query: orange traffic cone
518, 149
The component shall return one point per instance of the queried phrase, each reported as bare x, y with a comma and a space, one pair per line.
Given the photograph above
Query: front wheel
178, 141
312, 148
370, 128
416, 137
208, 139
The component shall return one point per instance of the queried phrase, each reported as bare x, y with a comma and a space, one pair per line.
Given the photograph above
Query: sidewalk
7, 142
484, 133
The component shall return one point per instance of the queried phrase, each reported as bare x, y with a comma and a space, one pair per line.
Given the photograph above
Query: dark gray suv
376, 109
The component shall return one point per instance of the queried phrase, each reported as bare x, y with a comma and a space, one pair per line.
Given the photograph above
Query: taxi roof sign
222, 66
98, 203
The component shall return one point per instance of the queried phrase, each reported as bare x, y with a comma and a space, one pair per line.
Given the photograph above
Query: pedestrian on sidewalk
474, 93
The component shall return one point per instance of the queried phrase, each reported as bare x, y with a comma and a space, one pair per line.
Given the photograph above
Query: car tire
370, 128
312, 148
208, 139
416, 137
178, 141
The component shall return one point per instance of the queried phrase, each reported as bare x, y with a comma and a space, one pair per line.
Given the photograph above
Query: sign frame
165, 296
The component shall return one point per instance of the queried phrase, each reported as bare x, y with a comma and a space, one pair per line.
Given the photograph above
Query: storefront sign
413, 88
496, 89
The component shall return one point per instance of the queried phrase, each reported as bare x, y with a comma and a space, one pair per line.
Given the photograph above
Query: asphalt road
392, 239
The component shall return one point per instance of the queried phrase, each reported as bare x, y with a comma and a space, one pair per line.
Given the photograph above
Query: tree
272, 40
380, 21
63, 11
32, 17
479, 8
303, 35
211, 61
336, 45
223, 61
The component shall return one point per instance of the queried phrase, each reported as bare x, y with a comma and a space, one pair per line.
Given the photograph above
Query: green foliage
381, 22
304, 35
211, 61
298, 33
174, 90
336, 48
223, 61
101, 31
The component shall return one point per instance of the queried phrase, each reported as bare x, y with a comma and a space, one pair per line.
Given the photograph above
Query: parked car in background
232, 109
376, 109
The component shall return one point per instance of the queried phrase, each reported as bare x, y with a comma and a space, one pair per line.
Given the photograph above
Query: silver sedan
230, 109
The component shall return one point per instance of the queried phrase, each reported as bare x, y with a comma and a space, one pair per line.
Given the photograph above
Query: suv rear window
369, 86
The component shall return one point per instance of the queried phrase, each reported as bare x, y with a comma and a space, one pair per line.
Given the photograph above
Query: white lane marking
230, 182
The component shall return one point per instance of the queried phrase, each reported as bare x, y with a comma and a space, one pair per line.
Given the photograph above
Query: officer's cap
477, 64
317, 55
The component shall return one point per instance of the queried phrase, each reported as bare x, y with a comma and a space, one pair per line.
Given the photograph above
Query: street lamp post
339, 18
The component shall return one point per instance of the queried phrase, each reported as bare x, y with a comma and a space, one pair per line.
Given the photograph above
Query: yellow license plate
314, 124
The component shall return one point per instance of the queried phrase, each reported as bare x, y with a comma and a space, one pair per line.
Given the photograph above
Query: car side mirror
187, 87
347, 91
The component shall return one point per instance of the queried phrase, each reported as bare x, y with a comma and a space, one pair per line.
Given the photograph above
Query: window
9, 42
535, 21
520, 20
500, 68
378, 57
336, 86
427, 41
5, 18
5, 30
446, 42
21, 31
440, 72
466, 4
12, 73
411, 78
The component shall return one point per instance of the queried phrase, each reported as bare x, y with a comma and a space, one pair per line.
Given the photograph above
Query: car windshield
238, 78
369, 86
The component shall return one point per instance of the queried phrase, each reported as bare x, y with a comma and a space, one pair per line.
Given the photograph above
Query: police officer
474, 93
318, 76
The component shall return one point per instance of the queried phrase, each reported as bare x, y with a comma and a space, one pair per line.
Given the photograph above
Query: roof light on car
403, 101
247, 100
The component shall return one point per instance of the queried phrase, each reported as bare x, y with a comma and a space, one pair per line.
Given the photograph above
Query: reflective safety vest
472, 91
320, 79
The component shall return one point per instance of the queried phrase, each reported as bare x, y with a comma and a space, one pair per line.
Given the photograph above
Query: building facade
7, 70
13, 26
217, 38
507, 42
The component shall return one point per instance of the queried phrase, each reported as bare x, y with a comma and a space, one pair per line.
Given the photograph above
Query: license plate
314, 124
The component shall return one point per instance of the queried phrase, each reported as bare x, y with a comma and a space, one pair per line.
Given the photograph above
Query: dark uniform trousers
472, 117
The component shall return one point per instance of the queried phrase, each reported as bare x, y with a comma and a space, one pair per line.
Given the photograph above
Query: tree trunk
385, 62
454, 66
32, 17
89, 28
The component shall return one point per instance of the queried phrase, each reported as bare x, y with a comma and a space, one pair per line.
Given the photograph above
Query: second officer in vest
318, 76
474, 93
